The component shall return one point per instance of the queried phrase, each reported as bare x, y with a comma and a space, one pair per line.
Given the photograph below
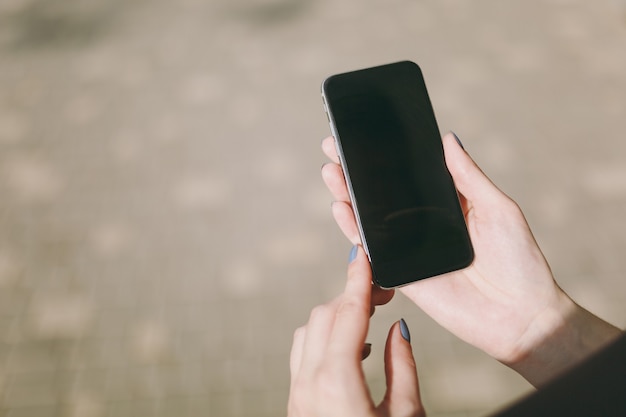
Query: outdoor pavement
163, 224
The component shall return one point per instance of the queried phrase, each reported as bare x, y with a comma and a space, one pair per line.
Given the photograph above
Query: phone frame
466, 261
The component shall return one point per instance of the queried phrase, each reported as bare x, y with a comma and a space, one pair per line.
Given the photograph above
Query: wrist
559, 338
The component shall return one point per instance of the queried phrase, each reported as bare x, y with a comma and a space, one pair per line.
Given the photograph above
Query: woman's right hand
507, 302
327, 377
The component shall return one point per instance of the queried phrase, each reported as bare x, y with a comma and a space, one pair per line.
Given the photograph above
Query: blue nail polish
353, 253
404, 330
458, 140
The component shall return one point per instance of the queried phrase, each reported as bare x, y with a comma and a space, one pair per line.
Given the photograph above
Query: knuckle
299, 333
510, 206
319, 312
353, 305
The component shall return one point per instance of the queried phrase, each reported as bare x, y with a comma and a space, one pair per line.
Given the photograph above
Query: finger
344, 217
295, 358
402, 397
352, 317
367, 349
381, 296
329, 149
317, 334
332, 174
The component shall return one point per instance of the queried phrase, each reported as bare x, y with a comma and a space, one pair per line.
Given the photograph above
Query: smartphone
406, 205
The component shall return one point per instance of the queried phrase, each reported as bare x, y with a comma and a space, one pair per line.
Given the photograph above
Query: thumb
402, 398
468, 178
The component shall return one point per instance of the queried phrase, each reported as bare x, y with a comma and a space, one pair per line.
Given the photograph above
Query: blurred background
163, 224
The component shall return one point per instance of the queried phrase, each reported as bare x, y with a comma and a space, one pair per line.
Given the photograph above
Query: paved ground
163, 226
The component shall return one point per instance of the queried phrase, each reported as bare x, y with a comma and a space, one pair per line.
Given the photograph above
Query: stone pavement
163, 225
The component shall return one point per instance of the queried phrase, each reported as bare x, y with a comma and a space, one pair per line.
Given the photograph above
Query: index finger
329, 149
353, 313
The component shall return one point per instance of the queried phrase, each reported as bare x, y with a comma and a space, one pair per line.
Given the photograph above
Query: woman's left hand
327, 377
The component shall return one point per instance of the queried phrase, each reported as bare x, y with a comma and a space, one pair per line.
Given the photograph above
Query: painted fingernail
404, 330
367, 349
353, 253
458, 140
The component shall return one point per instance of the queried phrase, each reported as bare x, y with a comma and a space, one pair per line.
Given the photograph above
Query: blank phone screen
408, 209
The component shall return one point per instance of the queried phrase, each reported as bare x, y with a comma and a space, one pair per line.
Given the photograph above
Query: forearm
569, 334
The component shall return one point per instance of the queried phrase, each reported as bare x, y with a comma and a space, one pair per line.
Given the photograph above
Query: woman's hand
327, 377
507, 302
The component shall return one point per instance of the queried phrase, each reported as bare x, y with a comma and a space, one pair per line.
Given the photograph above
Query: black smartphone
406, 205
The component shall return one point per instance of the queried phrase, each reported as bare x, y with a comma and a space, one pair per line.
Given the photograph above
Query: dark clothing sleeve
597, 387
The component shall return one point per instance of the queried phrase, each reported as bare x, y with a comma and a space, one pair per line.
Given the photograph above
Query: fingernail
367, 349
458, 140
404, 330
353, 253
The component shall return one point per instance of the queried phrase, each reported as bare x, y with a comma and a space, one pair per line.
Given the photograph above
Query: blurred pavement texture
163, 224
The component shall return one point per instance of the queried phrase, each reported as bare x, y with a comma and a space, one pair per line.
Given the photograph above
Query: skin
507, 302
327, 377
